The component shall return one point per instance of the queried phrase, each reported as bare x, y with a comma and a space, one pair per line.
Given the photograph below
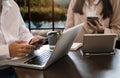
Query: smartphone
41, 41
92, 20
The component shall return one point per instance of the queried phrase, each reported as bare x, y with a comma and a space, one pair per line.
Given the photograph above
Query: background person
106, 10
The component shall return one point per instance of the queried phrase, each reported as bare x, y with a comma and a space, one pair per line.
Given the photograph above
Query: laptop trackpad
39, 60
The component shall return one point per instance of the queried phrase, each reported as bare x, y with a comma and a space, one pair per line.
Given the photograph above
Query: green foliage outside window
41, 10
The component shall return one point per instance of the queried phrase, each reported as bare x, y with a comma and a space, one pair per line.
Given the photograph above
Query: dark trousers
7, 72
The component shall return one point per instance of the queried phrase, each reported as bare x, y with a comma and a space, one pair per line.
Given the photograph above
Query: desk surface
76, 66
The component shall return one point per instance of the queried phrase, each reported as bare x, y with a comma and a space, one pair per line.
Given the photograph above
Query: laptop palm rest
41, 59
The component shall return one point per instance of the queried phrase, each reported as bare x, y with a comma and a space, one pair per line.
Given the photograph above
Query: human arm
34, 41
4, 51
109, 25
70, 15
20, 48
99, 27
15, 49
115, 19
16, 31
24, 33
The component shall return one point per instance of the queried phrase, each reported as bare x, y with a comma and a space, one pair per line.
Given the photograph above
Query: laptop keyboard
41, 59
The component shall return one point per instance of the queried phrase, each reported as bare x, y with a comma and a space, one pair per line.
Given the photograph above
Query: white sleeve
24, 33
4, 52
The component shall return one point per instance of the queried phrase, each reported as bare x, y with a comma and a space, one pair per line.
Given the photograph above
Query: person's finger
27, 46
21, 54
98, 24
30, 46
22, 51
20, 41
92, 26
36, 38
38, 46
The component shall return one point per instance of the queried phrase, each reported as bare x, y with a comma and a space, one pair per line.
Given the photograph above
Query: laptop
38, 59
98, 44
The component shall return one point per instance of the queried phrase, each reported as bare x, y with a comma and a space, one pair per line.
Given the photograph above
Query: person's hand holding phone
95, 24
92, 20
19, 48
37, 41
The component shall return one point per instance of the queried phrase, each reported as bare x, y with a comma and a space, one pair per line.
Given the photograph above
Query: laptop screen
99, 42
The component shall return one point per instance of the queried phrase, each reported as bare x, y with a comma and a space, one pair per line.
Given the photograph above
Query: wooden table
76, 66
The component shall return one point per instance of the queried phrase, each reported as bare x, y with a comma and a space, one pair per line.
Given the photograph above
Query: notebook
75, 46
98, 44
39, 61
